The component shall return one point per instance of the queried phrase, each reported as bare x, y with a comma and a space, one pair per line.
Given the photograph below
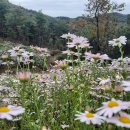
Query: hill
120, 17
30, 27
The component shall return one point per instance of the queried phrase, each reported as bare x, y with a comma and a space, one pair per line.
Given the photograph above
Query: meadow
84, 91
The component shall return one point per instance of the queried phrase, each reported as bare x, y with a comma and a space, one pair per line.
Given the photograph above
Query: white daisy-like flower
102, 87
119, 78
112, 107
123, 120
69, 36
126, 85
118, 42
45, 128
69, 53
90, 118
98, 56
103, 81
61, 64
64, 126
16, 51
10, 111
79, 42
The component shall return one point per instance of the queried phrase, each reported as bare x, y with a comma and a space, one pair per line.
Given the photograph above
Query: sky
69, 8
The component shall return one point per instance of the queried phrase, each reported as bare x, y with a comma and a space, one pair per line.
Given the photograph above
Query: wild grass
52, 98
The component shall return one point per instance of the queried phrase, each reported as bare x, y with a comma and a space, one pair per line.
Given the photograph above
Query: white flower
104, 81
62, 64
104, 57
119, 41
7, 63
112, 107
102, 87
42, 51
90, 118
45, 128
64, 126
80, 42
115, 65
27, 54
17, 48
10, 111
16, 51
69, 53
126, 85
123, 120
68, 36
119, 78
98, 56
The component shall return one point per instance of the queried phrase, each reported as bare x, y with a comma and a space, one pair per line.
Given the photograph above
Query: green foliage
30, 27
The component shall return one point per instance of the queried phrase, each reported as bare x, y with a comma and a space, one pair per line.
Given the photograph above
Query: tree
3, 11
100, 11
128, 27
41, 27
128, 19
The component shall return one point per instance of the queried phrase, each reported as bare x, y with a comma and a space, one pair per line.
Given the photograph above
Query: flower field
85, 91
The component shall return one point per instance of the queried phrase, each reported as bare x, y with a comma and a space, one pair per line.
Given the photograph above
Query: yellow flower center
124, 119
112, 104
103, 78
102, 87
96, 57
23, 78
89, 115
62, 66
117, 41
4, 109
19, 53
77, 43
4, 56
